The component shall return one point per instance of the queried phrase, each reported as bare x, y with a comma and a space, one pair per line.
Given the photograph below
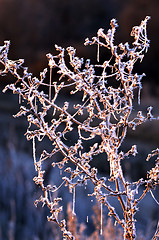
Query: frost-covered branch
103, 112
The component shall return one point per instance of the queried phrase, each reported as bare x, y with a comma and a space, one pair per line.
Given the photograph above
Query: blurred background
34, 27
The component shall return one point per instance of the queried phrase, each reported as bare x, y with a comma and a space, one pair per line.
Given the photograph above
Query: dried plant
103, 115
109, 231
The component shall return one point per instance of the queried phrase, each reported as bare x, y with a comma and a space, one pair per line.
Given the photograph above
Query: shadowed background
34, 27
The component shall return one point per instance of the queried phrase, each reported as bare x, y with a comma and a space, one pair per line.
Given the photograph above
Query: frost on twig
103, 112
